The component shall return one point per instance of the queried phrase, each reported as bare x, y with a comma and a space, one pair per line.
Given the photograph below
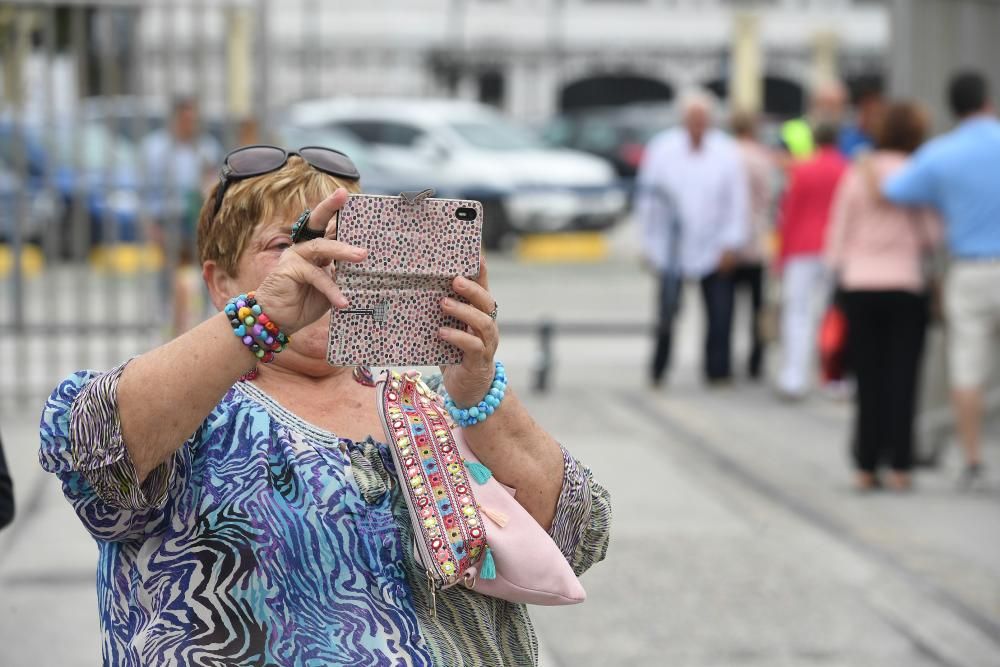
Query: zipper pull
432, 592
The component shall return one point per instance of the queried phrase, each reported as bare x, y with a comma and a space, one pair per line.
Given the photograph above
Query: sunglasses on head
250, 161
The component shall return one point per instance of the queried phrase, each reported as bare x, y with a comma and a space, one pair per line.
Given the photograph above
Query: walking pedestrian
805, 213
179, 163
177, 160
877, 250
827, 106
749, 275
859, 136
959, 175
691, 209
6, 492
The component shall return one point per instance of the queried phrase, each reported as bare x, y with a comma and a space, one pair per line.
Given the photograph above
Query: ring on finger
493, 313
301, 231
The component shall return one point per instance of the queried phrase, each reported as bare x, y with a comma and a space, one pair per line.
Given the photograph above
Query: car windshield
495, 135
294, 137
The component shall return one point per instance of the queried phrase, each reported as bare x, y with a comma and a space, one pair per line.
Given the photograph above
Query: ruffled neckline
288, 418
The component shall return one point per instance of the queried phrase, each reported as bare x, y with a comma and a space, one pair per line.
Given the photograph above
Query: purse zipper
435, 581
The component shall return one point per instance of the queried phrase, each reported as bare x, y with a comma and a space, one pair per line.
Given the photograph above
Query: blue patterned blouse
268, 541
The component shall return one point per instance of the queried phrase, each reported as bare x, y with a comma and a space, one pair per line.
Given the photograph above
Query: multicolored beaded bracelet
254, 328
486, 407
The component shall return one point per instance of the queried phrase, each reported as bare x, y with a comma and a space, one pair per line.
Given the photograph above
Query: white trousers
805, 291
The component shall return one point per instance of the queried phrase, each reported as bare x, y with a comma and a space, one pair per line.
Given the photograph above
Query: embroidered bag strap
448, 528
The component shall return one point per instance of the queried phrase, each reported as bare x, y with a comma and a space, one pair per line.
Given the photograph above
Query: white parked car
470, 150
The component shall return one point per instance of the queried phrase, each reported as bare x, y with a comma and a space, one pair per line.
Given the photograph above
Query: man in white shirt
691, 208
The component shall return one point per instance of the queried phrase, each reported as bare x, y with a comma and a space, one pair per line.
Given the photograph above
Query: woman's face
264, 248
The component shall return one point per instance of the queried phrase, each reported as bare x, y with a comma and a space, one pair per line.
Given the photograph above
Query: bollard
542, 372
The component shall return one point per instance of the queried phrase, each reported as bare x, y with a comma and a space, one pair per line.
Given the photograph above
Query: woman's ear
221, 286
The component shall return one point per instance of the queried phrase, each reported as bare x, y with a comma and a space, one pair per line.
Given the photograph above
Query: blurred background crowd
766, 163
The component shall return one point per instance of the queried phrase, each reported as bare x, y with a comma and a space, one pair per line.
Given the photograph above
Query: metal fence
96, 212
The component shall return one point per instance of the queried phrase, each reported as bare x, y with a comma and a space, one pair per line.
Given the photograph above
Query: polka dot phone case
416, 246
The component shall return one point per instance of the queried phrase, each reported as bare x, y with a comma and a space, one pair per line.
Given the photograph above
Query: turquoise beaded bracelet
261, 336
486, 407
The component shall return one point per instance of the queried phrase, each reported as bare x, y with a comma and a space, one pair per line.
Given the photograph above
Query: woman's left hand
468, 382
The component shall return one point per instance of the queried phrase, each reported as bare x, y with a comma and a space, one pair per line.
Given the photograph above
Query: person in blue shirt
959, 175
869, 101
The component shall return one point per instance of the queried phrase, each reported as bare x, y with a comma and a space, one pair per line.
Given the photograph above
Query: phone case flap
418, 239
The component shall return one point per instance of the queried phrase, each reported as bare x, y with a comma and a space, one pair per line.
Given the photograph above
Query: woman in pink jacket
877, 250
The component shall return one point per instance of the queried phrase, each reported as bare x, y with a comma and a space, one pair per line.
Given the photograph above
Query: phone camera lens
466, 213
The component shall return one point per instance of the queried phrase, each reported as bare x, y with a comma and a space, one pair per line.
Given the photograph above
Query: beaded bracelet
486, 407
254, 328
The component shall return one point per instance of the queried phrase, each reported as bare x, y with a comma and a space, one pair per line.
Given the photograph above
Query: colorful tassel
499, 518
479, 472
488, 570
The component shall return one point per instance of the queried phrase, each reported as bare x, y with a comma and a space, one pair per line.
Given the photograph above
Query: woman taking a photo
246, 513
878, 250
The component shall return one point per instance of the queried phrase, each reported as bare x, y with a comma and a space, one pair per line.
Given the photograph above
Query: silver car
473, 151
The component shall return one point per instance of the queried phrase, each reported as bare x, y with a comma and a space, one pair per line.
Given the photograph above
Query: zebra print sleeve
99, 452
582, 524
81, 443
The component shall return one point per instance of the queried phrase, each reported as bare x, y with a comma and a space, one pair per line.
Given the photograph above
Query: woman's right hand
302, 288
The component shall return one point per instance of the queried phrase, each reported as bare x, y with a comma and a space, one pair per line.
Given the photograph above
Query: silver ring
493, 315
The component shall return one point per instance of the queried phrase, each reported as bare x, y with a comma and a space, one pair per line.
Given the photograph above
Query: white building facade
531, 58
523, 55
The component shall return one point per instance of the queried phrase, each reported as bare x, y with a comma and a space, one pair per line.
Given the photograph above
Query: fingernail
443, 333
446, 302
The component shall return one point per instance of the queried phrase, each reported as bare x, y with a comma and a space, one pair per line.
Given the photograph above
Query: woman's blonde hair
223, 236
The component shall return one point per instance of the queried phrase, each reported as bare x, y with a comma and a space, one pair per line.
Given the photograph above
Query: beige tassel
499, 518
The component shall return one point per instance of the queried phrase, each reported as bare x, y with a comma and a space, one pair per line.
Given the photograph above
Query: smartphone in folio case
416, 246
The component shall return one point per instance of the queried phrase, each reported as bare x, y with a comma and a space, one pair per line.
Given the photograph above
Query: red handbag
833, 344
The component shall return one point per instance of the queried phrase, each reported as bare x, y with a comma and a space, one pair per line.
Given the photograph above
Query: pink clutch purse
467, 528
417, 245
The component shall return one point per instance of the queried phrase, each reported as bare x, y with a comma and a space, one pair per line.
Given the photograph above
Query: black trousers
750, 277
717, 293
669, 301
6, 492
886, 331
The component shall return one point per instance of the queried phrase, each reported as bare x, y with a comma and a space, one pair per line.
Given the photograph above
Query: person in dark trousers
691, 210
6, 492
877, 249
749, 275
